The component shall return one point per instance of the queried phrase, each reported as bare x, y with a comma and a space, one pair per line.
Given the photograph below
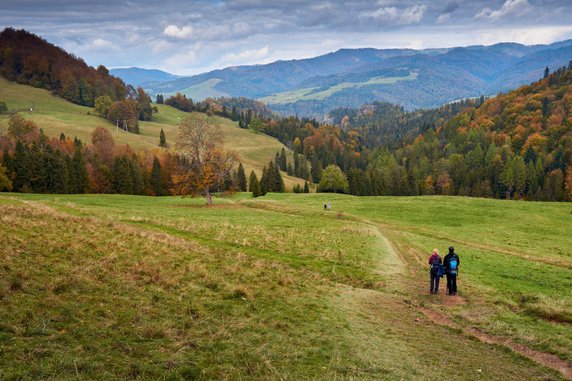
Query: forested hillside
516, 145
28, 59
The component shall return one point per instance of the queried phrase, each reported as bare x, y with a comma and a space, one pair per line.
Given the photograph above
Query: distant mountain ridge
352, 77
136, 76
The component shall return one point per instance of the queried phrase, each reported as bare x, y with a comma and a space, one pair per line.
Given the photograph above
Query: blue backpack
453, 266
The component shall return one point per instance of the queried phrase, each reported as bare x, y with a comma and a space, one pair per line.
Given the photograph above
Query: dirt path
447, 301
542, 358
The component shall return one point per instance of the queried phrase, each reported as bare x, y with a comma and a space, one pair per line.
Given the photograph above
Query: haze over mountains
353, 77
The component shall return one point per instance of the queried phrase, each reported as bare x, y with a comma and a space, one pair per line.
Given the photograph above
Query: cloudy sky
189, 37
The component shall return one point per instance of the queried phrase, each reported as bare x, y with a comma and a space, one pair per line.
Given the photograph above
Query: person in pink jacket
435, 271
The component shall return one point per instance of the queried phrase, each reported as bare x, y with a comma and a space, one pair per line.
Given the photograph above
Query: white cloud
509, 8
409, 15
176, 32
250, 56
443, 18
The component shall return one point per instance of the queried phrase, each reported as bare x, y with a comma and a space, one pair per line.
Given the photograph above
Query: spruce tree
316, 169
283, 160
251, 181
241, 178
162, 139
306, 187
296, 165
22, 168
290, 170
157, 178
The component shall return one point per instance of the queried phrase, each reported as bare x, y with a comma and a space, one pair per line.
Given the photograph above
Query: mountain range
352, 77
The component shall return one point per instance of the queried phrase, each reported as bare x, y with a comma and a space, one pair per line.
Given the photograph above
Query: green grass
314, 93
55, 115
127, 287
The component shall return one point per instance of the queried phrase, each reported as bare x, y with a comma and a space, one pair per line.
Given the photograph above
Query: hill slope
55, 115
125, 287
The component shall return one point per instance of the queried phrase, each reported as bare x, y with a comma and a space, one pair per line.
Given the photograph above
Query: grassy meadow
127, 287
56, 115
317, 93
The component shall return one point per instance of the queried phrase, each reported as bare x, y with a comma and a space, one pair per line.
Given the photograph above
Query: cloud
443, 18
251, 55
408, 15
176, 32
509, 8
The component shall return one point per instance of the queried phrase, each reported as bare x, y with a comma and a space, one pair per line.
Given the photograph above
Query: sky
191, 37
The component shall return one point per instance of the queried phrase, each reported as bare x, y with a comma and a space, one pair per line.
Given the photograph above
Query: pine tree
157, 178
306, 187
137, 176
316, 169
121, 177
162, 139
546, 72
296, 165
251, 181
256, 189
78, 175
265, 181
283, 160
290, 170
241, 178
22, 168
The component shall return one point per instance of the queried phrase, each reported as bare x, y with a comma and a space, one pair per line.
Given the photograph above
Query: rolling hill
353, 77
56, 115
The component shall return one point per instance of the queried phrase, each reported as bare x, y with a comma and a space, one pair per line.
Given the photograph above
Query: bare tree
203, 163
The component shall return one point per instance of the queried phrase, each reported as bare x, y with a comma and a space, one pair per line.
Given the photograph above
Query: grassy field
55, 115
126, 287
314, 93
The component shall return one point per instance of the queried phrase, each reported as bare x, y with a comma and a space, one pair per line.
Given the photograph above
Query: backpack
453, 263
436, 268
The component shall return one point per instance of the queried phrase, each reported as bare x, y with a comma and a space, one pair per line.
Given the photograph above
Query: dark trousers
434, 283
452, 283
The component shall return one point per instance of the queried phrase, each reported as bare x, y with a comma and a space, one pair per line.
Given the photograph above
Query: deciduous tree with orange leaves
203, 163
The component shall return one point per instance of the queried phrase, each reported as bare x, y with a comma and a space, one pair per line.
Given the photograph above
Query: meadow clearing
129, 287
55, 115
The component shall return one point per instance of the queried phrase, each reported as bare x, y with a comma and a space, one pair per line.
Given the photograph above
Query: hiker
452, 263
325, 206
329, 205
435, 271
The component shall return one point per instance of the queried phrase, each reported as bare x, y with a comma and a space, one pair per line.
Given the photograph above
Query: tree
241, 178
122, 114
162, 139
21, 129
568, 183
251, 180
102, 105
203, 164
255, 189
333, 180
144, 109
306, 187
546, 72
79, 178
283, 161
3, 108
103, 144
157, 178
5, 182
159, 99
